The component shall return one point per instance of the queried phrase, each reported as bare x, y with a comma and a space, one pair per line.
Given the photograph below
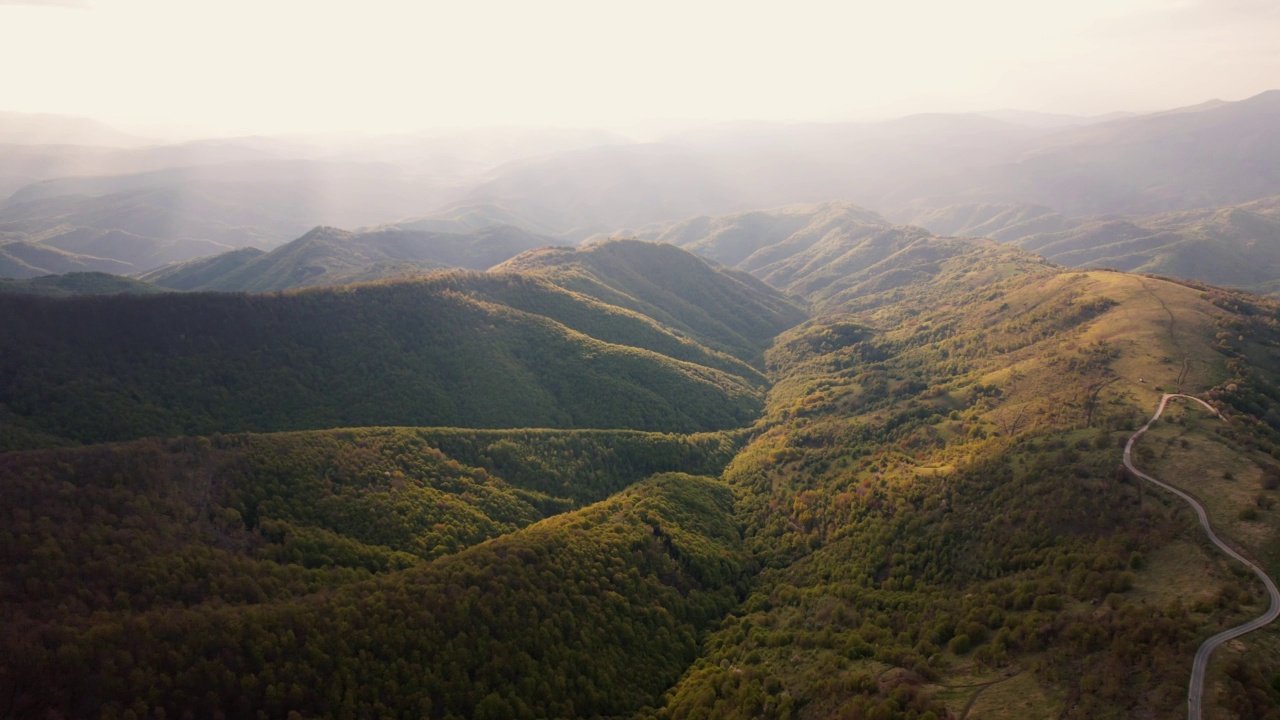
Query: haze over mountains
1112, 191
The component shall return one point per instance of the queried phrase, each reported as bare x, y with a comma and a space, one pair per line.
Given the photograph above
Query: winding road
1195, 690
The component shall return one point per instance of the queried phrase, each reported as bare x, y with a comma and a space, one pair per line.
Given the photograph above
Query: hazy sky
378, 66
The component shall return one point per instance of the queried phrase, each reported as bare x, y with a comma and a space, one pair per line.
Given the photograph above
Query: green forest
465, 350
577, 486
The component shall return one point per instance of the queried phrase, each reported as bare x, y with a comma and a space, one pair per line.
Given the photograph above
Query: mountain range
329, 256
1237, 246
877, 507
756, 421
144, 207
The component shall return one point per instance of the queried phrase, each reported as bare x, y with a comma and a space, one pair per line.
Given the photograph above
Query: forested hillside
426, 352
936, 501
592, 613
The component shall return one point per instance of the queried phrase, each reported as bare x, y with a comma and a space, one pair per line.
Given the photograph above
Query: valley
901, 496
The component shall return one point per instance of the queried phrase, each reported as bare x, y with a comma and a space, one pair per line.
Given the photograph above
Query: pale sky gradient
238, 66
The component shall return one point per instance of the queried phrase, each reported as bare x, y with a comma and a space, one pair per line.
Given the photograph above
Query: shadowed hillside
471, 350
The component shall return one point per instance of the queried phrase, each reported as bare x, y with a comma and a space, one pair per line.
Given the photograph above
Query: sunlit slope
434, 352
584, 313
936, 499
746, 240
725, 310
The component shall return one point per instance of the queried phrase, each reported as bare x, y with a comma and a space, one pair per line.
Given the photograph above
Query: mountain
203, 272
29, 260
714, 171
723, 309
1222, 154
466, 217
198, 198
1233, 246
745, 240
329, 256
1212, 155
88, 283
151, 219
826, 252
475, 350
596, 189
1000, 222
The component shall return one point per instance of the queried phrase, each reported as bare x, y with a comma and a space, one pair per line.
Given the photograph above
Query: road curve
1195, 690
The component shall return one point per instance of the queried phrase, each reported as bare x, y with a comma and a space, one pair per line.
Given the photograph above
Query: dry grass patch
1225, 480
1017, 698
1179, 571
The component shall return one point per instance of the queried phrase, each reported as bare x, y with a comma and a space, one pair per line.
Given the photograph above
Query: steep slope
202, 272
723, 309
589, 316
329, 256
